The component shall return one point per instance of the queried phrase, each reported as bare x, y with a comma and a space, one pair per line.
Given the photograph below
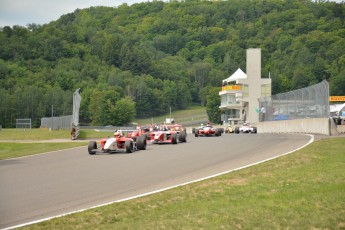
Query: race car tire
92, 147
237, 130
193, 130
196, 134
182, 136
141, 142
129, 146
254, 130
217, 133
174, 138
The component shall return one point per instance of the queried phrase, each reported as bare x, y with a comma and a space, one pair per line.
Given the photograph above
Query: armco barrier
308, 125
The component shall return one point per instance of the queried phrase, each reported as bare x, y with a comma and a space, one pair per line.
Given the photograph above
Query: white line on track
37, 154
161, 190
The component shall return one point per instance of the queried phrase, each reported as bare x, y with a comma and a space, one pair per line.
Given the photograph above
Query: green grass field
19, 143
33, 134
13, 150
303, 190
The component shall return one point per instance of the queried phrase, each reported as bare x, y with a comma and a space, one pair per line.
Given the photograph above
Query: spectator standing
263, 113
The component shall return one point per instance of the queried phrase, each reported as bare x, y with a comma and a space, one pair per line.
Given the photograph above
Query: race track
45, 185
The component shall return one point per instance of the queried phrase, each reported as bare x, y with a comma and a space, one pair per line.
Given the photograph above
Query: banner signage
337, 98
231, 88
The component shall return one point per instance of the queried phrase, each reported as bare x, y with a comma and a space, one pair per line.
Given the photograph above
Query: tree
111, 50
97, 108
203, 93
337, 85
201, 71
212, 105
184, 97
123, 112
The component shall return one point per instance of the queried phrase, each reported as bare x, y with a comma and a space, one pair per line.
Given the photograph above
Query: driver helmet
117, 133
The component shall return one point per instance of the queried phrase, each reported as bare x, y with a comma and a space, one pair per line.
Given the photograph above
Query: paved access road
45, 185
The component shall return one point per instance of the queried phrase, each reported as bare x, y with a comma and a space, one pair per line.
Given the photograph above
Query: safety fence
24, 123
66, 122
309, 102
55, 123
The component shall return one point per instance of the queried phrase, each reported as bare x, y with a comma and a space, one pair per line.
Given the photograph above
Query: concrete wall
254, 83
309, 125
340, 128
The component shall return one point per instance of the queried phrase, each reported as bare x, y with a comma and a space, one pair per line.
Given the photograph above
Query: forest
143, 59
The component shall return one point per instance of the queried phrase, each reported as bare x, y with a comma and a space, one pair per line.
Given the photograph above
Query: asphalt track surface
46, 185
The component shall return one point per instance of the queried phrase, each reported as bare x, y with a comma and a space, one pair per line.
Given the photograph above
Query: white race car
246, 128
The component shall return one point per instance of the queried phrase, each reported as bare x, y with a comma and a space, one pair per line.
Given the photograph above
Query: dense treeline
155, 55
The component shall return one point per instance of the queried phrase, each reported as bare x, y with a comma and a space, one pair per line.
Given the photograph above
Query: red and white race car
118, 143
171, 134
207, 131
140, 131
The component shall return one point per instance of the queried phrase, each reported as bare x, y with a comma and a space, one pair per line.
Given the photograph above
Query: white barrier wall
309, 125
341, 129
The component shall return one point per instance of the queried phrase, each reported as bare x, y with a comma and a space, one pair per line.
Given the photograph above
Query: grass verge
33, 134
45, 134
13, 150
303, 190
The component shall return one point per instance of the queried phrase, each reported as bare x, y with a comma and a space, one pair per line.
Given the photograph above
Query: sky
24, 12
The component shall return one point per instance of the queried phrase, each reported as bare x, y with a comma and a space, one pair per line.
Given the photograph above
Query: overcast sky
23, 12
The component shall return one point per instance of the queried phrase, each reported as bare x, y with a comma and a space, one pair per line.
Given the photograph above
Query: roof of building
239, 74
337, 107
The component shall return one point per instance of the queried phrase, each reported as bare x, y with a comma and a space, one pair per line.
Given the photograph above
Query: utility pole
52, 116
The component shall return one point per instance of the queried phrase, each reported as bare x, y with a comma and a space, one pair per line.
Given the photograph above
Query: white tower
254, 83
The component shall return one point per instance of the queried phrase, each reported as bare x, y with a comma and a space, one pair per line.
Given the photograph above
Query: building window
233, 113
231, 99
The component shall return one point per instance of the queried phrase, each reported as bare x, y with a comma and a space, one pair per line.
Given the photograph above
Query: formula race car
229, 129
140, 131
246, 128
207, 131
118, 143
169, 134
